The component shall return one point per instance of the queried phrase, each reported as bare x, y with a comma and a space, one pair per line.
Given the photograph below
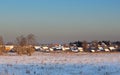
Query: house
93, 49
80, 49
57, 47
106, 50
45, 48
51, 49
9, 47
100, 48
64, 48
112, 48
37, 48
74, 49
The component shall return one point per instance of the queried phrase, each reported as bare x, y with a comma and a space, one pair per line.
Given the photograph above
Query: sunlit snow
61, 64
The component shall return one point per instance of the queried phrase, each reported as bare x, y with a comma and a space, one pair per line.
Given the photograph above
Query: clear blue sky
60, 20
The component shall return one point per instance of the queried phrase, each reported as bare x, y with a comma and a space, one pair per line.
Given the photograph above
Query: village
27, 45
78, 46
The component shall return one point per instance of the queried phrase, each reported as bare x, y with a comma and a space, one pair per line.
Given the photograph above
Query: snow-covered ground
61, 64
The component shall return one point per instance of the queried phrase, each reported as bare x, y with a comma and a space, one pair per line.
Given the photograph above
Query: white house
9, 47
112, 48
80, 49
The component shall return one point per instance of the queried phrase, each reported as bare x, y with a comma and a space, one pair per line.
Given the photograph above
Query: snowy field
61, 64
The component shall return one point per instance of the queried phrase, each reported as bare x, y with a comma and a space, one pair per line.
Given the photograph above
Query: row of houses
74, 48
89, 47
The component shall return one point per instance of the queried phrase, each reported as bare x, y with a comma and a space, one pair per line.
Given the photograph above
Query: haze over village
60, 21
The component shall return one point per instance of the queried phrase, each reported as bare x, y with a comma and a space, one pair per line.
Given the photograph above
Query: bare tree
31, 39
25, 44
95, 44
85, 45
21, 40
1, 40
2, 47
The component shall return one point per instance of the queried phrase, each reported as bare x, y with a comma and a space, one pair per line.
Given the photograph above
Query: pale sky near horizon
60, 20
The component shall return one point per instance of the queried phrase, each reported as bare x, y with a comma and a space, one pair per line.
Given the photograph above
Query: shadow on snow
60, 69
